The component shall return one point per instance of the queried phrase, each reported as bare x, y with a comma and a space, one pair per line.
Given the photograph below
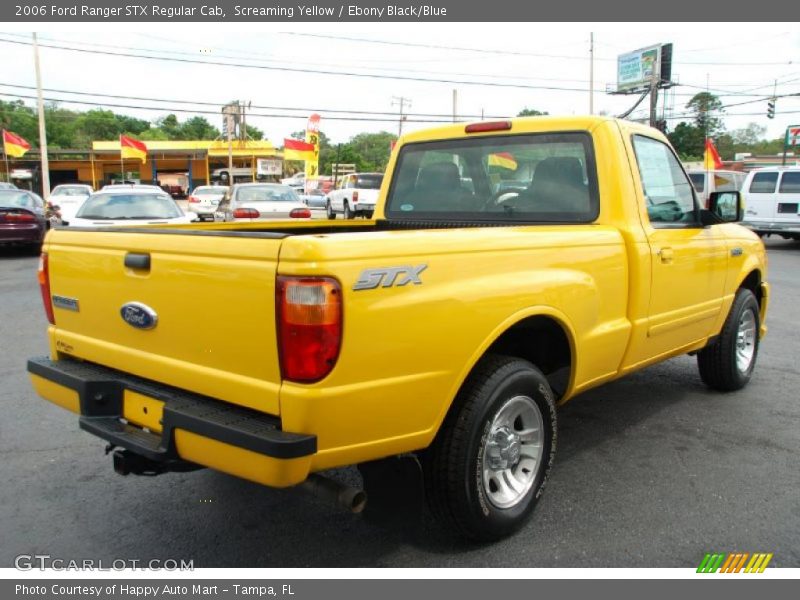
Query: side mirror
726, 206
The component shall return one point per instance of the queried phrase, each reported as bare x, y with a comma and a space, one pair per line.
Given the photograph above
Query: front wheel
489, 463
329, 210
728, 363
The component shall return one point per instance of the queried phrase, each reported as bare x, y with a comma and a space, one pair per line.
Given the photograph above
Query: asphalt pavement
654, 470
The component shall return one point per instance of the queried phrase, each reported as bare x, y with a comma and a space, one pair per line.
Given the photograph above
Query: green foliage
706, 109
688, 140
530, 112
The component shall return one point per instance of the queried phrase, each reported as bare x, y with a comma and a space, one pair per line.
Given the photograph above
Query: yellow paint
57, 394
240, 462
406, 351
143, 411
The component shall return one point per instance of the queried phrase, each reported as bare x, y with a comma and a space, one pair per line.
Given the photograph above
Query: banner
14, 145
312, 137
131, 148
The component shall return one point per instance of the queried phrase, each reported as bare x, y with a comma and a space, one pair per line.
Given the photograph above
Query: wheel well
753, 283
543, 342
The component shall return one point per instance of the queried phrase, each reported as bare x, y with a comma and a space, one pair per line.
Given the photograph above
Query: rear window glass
369, 182
129, 206
266, 193
698, 181
20, 199
513, 178
72, 190
210, 191
763, 183
790, 183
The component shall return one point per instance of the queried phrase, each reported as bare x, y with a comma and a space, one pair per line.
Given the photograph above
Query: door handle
666, 254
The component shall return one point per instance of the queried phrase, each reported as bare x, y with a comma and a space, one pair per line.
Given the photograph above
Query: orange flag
130, 148
711, 158
14, 145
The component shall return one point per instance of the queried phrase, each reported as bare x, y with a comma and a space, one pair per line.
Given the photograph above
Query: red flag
297, 150
711, 158
14, 145
130, 148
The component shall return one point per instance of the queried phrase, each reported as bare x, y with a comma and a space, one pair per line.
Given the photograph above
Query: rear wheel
488, 465
728, 363
348, 214
329, 210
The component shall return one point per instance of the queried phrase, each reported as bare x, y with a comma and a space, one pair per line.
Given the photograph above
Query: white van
705, 182
772, 201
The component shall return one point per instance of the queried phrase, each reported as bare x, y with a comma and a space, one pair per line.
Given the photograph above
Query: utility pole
42, 128
455, 105
653, 102
402, 102
591, 73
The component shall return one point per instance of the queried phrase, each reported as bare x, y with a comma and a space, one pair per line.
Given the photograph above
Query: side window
790, 183
667, 191
763, 183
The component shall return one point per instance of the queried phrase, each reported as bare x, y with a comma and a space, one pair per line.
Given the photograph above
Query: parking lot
654, 470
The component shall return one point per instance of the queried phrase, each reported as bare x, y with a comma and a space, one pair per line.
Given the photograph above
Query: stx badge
388, 277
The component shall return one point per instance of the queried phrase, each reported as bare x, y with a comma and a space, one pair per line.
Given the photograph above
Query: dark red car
22, 218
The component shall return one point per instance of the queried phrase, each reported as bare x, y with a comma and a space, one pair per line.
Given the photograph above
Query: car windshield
266, 193
369, 182
129, 206
70, 190
21, 199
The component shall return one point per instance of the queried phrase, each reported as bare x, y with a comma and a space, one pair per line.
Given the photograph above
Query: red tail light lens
488, 126
44, 286
20, 217
309, 311
193, 199
355, 196
300, 213
246, 213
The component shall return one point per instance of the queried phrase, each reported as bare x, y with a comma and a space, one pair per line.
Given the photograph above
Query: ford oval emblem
138, 315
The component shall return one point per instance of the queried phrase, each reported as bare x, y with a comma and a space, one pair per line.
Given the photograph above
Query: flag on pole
14, 145
711, 158
504, 160
297, 150
130, 148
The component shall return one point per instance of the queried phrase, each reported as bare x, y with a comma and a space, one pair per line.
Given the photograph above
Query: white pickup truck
356, 194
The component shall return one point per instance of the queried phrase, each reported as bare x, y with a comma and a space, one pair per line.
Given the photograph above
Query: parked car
261, 202
356, 195
239, 174
129, 207
314, 199
22, 218
68, 198
772, 201
706, 182
296, 181
203, 201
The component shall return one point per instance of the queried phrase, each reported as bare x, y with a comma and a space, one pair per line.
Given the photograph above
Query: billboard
636, 70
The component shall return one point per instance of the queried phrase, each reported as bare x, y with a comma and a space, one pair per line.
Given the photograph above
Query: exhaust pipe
350, 498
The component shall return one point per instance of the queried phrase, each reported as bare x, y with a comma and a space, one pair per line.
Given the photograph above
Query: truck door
689, 261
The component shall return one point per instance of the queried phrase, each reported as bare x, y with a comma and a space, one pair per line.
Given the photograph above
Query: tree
253, 133
198, 128
688, 141
750, 135
170, 126
705, 106
530, 112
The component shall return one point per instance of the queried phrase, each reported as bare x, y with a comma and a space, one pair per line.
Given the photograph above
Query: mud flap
395, 491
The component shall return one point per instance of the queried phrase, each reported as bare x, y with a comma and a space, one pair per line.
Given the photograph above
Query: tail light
193, 199
309, 311
355, 196
488, 126
20, 217
246, 213
300, 213
44, 285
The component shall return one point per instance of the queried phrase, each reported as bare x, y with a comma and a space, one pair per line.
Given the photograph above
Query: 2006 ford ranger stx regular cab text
511, 265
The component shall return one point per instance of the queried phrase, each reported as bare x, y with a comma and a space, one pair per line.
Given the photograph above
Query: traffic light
771, 108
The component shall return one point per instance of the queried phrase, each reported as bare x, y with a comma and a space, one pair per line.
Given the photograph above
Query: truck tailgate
214, 302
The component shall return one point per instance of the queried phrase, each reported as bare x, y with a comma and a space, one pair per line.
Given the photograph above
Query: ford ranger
511, 265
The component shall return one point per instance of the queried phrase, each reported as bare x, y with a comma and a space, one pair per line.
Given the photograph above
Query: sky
496, 70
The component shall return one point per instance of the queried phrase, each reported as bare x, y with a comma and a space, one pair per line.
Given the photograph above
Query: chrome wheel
512, 454
746, 341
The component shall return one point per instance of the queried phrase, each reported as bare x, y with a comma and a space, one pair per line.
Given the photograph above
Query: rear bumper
23, 233
168, 425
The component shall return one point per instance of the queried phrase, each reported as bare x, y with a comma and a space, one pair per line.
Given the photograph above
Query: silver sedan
261, 202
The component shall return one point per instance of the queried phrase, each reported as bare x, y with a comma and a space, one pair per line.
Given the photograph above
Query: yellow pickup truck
510, 266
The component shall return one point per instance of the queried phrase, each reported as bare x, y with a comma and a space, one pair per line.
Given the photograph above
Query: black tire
348, 214
718, 364
329, 210
368, 215
454, 465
